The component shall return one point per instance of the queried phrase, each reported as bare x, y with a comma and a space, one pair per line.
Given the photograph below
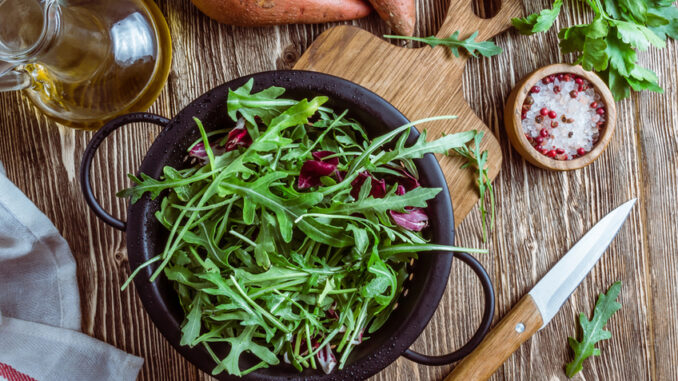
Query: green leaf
484, 48
618, 84
636, 9
592, 330
272, 138
264, 104
191, 328
594, 55
383, 280
287, 211
662, 29
622, 56
638, 36
416, 198
538, 22
240, 344
442, 145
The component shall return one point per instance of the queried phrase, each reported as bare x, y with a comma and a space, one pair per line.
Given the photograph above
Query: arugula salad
291, 234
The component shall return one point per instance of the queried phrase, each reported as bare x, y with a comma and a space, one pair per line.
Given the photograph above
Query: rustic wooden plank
540, 214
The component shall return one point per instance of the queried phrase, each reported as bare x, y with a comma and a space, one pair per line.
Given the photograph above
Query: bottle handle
12, 78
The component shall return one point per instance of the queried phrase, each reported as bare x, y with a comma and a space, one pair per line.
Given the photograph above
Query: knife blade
536, 309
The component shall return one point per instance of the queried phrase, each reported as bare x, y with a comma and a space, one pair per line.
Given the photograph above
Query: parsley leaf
538, 22
592, 330
484, 48
608, 44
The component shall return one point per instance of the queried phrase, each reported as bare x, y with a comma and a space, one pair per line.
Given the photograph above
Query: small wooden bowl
514, 128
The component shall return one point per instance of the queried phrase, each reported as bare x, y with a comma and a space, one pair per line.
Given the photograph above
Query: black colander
429, 274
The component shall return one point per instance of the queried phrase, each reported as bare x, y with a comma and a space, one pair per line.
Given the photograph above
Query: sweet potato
400, 15
276, 12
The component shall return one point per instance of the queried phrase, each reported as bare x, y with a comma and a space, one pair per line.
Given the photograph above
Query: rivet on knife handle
513, 330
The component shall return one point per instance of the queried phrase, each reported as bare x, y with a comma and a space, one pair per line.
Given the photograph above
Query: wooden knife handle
504, 339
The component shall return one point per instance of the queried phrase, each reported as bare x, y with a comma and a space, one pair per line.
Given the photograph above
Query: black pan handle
86, 164
488, 314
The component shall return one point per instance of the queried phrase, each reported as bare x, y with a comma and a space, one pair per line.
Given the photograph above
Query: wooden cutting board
420, 82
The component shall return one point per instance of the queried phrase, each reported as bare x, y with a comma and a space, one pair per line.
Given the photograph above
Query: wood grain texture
510, 332
540, 213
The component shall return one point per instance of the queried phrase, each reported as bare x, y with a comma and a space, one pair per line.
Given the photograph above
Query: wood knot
120, 257
289, 57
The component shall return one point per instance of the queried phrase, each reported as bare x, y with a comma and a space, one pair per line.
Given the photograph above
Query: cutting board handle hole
486, 9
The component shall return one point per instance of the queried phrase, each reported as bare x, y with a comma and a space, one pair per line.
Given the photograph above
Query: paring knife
536, 309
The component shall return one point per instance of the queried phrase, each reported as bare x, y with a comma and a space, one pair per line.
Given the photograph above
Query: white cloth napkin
40, 304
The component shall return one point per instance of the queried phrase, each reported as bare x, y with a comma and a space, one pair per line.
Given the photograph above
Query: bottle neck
31, 28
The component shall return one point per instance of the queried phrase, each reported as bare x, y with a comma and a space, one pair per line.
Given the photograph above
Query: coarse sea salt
563, 116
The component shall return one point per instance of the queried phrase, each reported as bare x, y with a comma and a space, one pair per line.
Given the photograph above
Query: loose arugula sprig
608, 44
592, 331
484, 48
476, 158
290, 238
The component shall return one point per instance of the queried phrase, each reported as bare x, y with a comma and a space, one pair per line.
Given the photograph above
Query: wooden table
539, 214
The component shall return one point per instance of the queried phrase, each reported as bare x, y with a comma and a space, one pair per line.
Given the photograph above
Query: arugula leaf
421, 147
264, 104
191, 328
298, 114
484, 48
538, 22
416, 198
476, 158
240, 344
592, 330
287, 212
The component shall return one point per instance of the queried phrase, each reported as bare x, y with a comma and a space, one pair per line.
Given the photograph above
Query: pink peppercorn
560, 151
554, 124
544, 111
573, 94
594, 104
600, 111
579, 81
543, 132
539, 140
552, 114
556, 89
581, 151
535, 89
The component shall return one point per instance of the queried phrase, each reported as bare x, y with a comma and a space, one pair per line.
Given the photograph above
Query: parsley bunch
290, 236
608, 44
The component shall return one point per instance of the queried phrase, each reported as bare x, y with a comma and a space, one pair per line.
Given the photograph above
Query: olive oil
104, 59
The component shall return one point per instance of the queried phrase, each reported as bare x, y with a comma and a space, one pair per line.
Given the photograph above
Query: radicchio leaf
408, 181
326, 359
198, 150
378, 189
313, 170
238, 137
415, 219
